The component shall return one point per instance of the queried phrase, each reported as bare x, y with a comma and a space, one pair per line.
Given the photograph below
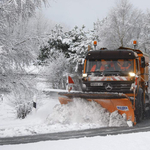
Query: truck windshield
119, 65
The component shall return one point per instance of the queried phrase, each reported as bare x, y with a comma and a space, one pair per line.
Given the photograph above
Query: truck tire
147, 106
139, 108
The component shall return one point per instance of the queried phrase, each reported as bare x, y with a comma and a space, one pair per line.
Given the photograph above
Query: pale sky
84, 12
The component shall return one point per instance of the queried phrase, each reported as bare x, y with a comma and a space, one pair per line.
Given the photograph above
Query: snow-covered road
141, 127
138, 141
51, 117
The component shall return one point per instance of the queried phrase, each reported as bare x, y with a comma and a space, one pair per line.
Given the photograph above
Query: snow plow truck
116, 79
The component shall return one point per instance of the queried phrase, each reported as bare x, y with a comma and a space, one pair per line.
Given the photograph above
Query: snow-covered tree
56, 42
14, 16
17, 43
80, 41
144, 39
122, 26
73, 43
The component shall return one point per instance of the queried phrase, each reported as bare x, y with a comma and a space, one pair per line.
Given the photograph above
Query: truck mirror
80, 68
143, 62
80, 65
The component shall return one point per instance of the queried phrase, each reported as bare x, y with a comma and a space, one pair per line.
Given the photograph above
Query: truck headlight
131, 74
84, 75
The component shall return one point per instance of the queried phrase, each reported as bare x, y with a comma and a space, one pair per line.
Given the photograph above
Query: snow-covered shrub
56, 70
23, 109
21, 99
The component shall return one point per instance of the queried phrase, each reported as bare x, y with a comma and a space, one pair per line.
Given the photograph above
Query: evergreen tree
62, 51
58, 41
73, 44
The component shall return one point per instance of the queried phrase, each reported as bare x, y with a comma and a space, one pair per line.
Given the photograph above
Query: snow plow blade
111, 102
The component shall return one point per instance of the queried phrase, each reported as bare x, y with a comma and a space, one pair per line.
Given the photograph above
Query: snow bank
84, 112
53, 117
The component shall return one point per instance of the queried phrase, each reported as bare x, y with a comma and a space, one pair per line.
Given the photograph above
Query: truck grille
109, 87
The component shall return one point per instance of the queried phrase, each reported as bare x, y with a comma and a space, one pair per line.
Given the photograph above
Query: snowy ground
53, 117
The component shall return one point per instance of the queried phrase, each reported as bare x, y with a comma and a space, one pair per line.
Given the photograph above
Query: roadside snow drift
53, 117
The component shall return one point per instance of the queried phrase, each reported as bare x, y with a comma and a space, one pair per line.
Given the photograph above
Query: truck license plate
96, 84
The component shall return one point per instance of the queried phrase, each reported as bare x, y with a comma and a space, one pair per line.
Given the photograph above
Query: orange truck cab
122, 70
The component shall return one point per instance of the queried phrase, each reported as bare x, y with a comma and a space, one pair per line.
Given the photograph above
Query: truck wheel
139, 111
147, 106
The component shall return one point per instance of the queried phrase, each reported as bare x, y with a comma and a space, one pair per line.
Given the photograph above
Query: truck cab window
120, 65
